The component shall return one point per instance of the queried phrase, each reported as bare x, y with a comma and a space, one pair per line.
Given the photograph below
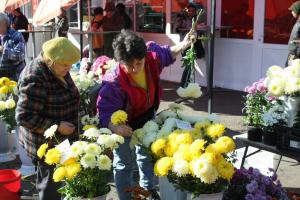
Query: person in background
12, 50
96, 26
113, 22
294, 41
48, 96
20, 22
134, 86
184, 24
121, 10
62, 24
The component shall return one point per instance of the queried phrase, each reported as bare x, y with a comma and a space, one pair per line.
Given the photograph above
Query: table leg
277, 165
244, 156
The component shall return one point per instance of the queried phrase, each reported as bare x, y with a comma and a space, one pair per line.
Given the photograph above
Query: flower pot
103, 197
254, 133
213, 196
291, 108
269, 138
168, 191
5, 154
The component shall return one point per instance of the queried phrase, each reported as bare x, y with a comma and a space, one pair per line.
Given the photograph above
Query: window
151, 16
179, 14
278, 21
237, 19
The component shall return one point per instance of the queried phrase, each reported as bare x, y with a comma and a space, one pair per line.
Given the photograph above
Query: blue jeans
123, 165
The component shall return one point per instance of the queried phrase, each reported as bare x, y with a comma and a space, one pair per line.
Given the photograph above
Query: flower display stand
214, 196
27, 167
5, 154
168, 191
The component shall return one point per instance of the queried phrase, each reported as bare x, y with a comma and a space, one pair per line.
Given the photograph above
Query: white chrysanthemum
2, 97
2, 105
77, 149
213, 118
90, 75
276, 86
139, 133
10, 103
50, 132
88, 161
106, 141
117, 138
164, 115
105, 131
94, 121
93, 148
167, 128
85, 120
104, 162
295, 63
292, 85
193, 90
274, 71
148, 139
176, 107
205, 171
181, 167
150, 126
292, 71
92, 133
190, 118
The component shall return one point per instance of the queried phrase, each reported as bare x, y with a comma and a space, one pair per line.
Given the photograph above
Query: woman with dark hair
134, 87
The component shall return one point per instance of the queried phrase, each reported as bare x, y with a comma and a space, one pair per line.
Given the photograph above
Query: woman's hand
66, 128
122, 129
189, 38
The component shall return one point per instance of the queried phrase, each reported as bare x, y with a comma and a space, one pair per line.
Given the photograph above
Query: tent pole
211, 55
80, 26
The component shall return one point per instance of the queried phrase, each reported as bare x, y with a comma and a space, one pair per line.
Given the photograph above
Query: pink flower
261, 87
251, 90
271, 98
99, 63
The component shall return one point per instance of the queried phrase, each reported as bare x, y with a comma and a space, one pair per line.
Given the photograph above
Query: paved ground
228, 105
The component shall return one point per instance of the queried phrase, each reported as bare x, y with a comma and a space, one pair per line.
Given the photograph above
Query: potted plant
256, 101
84, 165
251, 184
273, 120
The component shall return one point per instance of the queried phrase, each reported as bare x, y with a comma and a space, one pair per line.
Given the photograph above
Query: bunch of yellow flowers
199, 152
6, 85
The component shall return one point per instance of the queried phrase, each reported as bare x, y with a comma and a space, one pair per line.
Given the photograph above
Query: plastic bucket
10, 184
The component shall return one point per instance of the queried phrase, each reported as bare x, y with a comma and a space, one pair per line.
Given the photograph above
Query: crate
288, 139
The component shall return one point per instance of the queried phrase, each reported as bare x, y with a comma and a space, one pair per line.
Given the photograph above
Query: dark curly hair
128, 46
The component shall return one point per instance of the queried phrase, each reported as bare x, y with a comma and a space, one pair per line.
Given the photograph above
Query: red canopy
49, 9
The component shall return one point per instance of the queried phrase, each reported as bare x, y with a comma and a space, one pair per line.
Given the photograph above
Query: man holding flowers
134, 87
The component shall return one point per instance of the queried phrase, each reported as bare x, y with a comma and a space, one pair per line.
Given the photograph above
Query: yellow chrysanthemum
52, 156
59, 174
69, 161
225, 144
197, 147
212, 148
215, 130
158, 146
225, 169
163, 165
205, 171
4, 89
42, 150
209, 157
171, 148
4, 81
183, 153
173, 135
12, 83
72, 170
196, 134
86, 127
184, 138
118, 117
202, 125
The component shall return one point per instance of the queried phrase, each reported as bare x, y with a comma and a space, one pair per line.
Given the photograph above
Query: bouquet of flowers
8, 90
84, 165
257, 102
250, 184
193, 90
102, 65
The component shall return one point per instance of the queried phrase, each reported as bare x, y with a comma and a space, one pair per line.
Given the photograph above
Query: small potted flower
274, 120
250, 184
256, 102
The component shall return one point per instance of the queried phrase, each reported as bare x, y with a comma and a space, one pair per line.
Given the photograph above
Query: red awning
49, 9
10, 5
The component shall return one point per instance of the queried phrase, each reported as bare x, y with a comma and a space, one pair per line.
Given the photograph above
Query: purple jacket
111, 97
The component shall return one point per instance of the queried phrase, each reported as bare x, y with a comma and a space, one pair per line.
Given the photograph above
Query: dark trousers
45, 185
